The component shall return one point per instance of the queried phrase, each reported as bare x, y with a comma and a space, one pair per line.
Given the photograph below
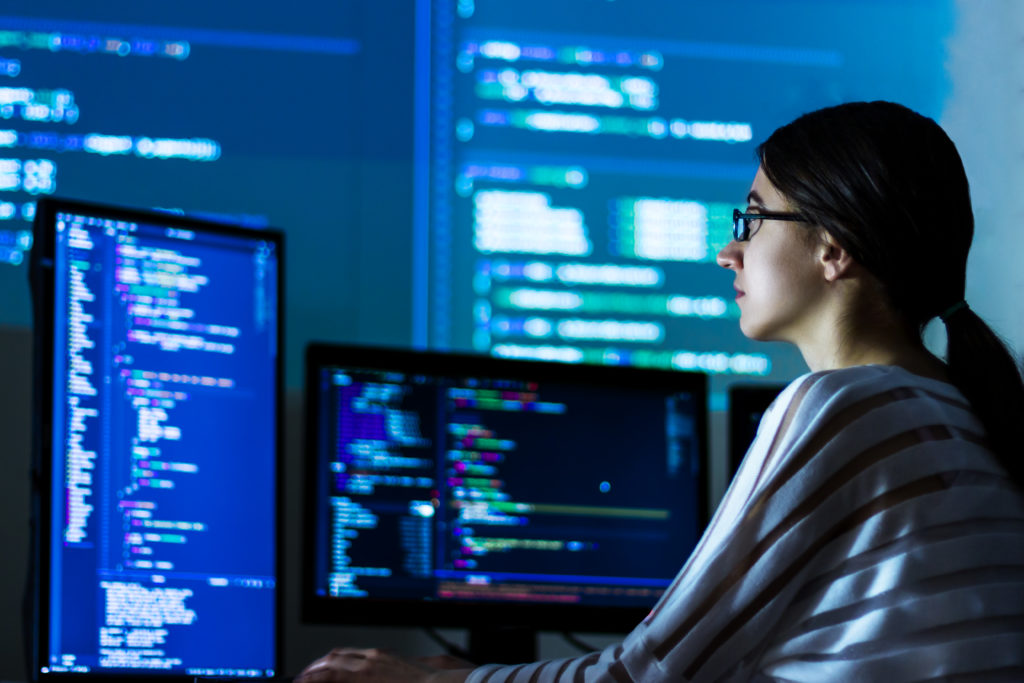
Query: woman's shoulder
860, 408
832, 390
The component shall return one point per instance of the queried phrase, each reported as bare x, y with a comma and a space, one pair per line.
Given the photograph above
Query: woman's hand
341, 665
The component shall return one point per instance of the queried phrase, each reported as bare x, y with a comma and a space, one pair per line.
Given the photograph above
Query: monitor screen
156, 436
448, 489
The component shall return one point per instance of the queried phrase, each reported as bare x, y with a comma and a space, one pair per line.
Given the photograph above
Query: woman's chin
750, 330
757, 332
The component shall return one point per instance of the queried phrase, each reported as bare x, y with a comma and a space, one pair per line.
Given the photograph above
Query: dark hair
889, 185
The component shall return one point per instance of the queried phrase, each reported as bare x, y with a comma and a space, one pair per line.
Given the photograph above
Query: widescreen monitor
156, 442
487, 493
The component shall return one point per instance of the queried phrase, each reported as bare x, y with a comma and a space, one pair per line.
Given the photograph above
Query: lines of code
508, 526
136, 618
383, 475
489, 488
163, 493
57, 108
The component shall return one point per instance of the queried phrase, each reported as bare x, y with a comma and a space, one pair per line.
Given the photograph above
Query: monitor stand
502, 645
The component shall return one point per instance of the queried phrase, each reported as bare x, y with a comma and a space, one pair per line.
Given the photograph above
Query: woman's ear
836, 263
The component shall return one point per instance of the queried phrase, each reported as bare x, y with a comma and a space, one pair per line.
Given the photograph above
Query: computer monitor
497, 494
747, 405
157, 431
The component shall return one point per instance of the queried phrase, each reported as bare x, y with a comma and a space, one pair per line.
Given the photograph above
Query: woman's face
779, 281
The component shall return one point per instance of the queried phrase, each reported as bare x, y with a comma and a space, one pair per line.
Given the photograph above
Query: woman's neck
880, 338
915, 359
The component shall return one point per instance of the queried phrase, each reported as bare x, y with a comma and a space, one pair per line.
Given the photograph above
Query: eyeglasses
746, 224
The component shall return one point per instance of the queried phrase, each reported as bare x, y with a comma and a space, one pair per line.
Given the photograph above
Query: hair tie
953, 310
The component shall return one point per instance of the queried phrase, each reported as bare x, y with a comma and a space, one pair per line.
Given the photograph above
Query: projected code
583, 184
29, 107
472, 489
142, 462
137, 113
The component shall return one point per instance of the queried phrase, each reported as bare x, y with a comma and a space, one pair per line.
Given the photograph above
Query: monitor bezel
318, 609
42, 275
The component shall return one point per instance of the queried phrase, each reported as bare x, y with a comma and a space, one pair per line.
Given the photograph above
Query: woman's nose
731, 255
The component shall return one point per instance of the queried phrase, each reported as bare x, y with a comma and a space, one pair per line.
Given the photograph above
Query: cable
449, 647
578, 644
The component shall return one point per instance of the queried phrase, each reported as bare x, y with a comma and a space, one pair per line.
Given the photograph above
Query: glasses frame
743, 234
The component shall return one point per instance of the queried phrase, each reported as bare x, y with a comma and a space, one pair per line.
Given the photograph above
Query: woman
875, 530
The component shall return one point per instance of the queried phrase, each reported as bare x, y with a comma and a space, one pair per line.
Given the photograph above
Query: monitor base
502, 645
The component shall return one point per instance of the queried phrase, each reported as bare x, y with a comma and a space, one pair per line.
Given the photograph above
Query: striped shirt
869, 535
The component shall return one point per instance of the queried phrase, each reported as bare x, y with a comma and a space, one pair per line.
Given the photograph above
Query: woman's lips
739, 292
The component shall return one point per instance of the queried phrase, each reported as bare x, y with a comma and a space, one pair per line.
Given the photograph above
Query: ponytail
985, 371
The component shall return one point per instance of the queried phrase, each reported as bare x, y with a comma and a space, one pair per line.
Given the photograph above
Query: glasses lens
738, 226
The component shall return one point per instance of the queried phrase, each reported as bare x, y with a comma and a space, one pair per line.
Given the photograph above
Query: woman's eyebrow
755, 198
